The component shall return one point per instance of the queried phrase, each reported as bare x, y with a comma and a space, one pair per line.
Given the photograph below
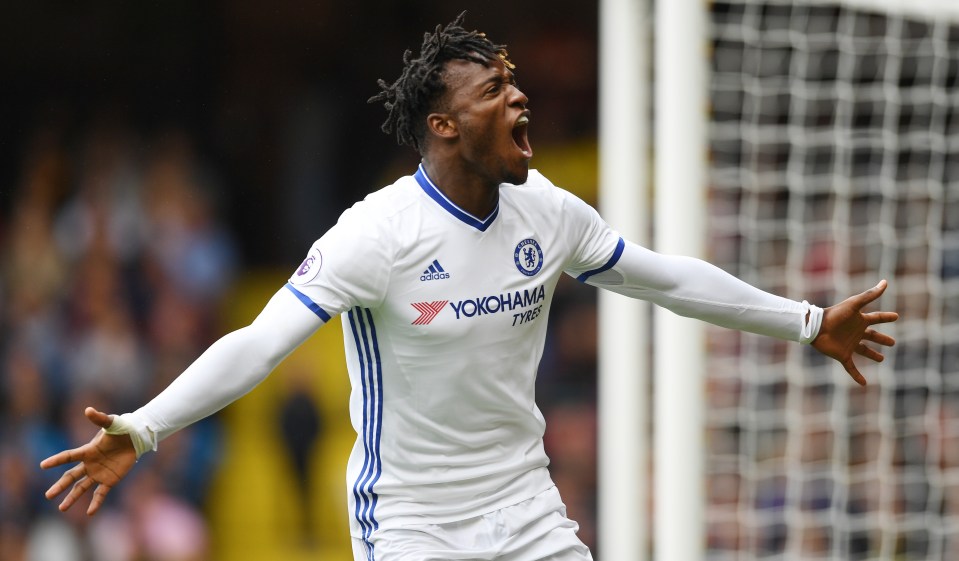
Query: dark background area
273, 95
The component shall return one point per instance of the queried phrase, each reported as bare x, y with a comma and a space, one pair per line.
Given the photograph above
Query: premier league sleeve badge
309, 268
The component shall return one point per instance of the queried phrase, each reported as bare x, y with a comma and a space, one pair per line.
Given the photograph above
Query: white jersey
444, 318
445, 321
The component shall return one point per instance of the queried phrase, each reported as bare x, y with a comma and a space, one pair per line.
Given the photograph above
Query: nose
517, 97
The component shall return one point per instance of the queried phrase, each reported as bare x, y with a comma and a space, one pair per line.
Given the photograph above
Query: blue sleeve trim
617, 253
320, 312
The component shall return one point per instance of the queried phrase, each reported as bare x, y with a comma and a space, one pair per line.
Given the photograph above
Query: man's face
491, 118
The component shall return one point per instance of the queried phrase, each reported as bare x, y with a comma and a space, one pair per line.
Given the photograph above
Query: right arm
229, 369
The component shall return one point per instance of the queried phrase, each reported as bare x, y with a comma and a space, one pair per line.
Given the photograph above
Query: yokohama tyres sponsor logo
428, 311
523, 304
496, 303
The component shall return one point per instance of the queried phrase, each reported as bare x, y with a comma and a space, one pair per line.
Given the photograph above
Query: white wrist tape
143, 437
811, 323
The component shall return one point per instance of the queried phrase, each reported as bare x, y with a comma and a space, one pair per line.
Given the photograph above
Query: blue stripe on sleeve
617, 253
313, 306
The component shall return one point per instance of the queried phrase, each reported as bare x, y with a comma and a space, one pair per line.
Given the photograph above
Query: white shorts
534, 530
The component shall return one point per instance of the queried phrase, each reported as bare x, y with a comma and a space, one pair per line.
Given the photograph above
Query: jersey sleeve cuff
614, 258
811, 322
313, 306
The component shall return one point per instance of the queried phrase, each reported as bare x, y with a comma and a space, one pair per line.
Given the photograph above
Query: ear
442, 125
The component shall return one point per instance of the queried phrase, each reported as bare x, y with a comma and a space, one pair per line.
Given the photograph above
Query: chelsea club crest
528, 257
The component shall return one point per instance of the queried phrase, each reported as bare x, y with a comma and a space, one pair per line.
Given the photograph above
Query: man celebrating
443, 281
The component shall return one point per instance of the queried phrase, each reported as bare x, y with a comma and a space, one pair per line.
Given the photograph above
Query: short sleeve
347, 267
595, 246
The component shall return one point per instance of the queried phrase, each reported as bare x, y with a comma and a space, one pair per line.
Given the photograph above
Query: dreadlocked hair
411, 97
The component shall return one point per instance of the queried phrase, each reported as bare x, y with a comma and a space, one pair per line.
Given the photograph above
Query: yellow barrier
254, 509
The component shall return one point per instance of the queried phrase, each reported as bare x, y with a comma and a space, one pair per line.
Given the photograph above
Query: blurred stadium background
164, 166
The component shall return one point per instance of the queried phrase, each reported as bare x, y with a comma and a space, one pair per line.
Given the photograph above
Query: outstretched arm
229, 369
694, 288
846, 328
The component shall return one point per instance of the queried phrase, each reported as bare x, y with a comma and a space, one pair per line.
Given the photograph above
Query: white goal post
623, 324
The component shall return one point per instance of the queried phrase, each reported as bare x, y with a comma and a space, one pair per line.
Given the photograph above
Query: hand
845, 328
104, 461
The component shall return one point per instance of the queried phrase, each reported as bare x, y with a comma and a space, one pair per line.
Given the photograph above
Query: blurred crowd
113, 257
118, 241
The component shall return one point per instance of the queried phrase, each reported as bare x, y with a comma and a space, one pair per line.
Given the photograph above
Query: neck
469, 191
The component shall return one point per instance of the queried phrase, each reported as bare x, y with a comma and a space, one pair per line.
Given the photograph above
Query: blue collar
430, 188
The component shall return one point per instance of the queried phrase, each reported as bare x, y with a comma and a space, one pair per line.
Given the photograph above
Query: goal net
834, 162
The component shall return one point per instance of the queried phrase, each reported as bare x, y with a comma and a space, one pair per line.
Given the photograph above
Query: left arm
694, 288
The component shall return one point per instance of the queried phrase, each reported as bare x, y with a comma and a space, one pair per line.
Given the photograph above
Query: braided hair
413, 95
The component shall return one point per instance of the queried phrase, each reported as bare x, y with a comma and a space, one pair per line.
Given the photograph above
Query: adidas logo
434, 272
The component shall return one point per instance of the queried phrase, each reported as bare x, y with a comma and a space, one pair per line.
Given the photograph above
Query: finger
871, 354
81, 487
60, 458
99, 495
850, 367
68, 478
880, 317
868, 296
879, 338
98, 418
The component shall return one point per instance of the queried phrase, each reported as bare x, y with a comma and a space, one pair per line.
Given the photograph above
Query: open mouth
520, 137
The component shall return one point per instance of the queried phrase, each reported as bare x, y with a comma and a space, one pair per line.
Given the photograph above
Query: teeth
524, 120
